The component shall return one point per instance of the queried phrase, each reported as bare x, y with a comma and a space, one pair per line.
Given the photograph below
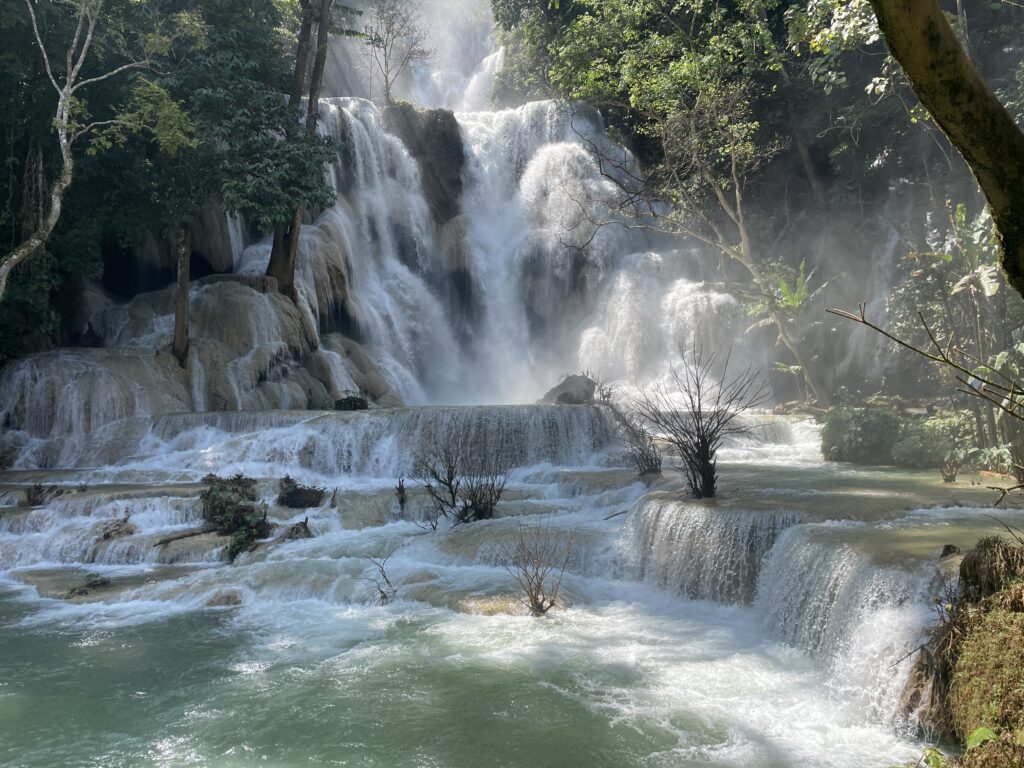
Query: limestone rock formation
434, 138
572, 390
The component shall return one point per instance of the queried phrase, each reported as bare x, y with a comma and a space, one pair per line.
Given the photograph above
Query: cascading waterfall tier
855, 596
491, 306
698, 550
388, 443
382, 443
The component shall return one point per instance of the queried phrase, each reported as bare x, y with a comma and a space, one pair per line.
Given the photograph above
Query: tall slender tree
396, 41
321, 15
69, 69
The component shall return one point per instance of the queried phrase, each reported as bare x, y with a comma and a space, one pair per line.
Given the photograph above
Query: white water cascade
492, 305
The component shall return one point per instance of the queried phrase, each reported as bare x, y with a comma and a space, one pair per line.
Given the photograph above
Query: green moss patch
229, 506
988, 679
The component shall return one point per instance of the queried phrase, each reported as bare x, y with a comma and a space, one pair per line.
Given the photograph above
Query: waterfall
822, 593
852, 595
384, 444
810, 585
532, 277
698, 550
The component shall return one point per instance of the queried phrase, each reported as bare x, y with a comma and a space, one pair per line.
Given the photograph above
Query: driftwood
185, 535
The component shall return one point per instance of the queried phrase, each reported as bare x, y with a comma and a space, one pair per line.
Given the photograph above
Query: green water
615, 685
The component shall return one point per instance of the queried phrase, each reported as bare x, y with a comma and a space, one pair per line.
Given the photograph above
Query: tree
284, 251
68, 74
697, 411
396, 41
952, 89
641, 445
246, 148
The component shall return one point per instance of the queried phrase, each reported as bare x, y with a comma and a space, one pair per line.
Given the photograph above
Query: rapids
767, 628
764, 629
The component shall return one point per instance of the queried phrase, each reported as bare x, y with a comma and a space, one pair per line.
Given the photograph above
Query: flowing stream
764, 629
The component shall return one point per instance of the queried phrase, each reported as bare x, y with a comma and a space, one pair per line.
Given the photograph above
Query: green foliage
860, 435
927, 443
228, 506
152, 110
297, 496
979, 736
205, 124
877, 436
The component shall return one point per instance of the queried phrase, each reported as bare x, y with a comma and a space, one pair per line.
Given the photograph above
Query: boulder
572, 390
296, 531
434, 138
224, 598
119, 529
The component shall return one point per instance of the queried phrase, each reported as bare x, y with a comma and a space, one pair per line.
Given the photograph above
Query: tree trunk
286, 235
279, 268
962, 103
42, 232
746, 258
810, 373
180, 346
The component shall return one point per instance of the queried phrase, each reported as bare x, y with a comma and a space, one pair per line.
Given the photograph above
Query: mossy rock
991, 567
987, 688
1004, 752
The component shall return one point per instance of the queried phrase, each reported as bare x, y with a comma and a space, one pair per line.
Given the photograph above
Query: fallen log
185, 535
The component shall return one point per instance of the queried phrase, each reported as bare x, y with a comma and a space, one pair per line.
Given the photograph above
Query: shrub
353, 401
228, 506
93, 581
460, 487
297, 496
938, 441
537, 558
38, 494
860, 435
640, 445
697, 411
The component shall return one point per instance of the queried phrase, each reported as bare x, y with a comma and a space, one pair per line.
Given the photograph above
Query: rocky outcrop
119, 529
434, 138
296, 531
572, 390
366, 374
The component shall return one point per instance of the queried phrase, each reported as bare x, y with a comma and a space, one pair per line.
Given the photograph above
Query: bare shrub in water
482, 487
697, 411
640, 444
537, 558
386, 589
460, 487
